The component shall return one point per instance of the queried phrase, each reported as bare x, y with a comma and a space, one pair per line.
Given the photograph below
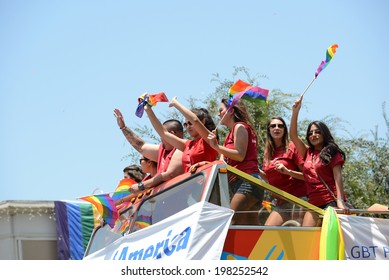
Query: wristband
141, 186
122, 127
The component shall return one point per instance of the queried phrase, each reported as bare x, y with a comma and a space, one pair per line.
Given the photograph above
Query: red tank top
196, 151
250, 162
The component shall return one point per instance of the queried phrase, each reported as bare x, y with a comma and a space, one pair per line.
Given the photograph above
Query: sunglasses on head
316, 131
279, 125
187, 124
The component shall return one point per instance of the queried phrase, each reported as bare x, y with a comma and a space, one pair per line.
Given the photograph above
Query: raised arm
149, 151
190, 116
172, 139
300, 146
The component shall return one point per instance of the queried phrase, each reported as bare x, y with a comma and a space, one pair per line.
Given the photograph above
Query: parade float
188, 217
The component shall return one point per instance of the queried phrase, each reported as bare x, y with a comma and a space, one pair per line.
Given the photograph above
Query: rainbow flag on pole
329, 55
243, 90
105, 206
331, 238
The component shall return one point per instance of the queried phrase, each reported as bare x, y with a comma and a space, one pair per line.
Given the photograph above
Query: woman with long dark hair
323, 164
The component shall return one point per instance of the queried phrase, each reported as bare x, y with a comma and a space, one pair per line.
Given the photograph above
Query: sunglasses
316, 131
187, 124
140, 160
279, 125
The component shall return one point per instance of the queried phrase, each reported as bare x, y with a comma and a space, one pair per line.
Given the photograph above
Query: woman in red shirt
195, 150
282, 168
239, 151
322, 167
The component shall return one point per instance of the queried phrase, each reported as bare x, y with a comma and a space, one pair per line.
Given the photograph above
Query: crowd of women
311, 171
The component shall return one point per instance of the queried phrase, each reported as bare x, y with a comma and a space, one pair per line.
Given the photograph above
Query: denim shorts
244, 187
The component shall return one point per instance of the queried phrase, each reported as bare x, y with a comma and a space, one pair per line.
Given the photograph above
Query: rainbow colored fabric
150, 99
268, 205
75, 222
331, 237
243, 90
329, 55
105, 206
122, 189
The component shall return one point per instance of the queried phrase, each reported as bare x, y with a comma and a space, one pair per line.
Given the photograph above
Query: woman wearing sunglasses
195, 150
322, 167
282, 168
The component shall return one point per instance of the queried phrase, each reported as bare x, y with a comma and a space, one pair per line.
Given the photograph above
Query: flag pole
308, 87
222, 119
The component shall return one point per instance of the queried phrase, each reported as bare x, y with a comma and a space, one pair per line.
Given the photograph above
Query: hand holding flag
150, 99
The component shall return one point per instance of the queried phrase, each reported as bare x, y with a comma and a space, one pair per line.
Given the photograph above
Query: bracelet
122, 127
141, 186
340, 199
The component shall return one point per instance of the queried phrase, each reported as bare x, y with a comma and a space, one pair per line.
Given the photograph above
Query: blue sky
65, 65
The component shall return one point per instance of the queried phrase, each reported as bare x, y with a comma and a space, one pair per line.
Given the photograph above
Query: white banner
196, 233
365, 238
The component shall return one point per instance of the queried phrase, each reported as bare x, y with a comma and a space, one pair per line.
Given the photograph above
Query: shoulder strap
325, 184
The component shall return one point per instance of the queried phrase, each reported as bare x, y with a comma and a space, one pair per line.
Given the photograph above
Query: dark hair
241, 115
135, 171
270, 146
202, 114
330, 148
174, 125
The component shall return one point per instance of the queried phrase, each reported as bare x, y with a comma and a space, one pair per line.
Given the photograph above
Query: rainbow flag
331, 238
105, 206
75, 222
329, 55
243, 90
122, 189
268, 205
150, 99
143, 221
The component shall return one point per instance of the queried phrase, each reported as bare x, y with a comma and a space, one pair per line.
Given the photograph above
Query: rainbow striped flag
143, 221
243, 90
331, 238
75, 222
122, 189
329, 55
150, 99
105, 206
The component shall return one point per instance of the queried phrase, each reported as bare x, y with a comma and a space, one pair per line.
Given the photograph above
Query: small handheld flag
150, 99
243, 90
329, 55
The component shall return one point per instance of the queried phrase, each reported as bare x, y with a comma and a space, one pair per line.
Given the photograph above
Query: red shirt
291, 159
164, 158
196, 151
250, 162
318, 194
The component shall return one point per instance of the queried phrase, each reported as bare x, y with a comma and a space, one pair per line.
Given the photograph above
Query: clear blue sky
65, 65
